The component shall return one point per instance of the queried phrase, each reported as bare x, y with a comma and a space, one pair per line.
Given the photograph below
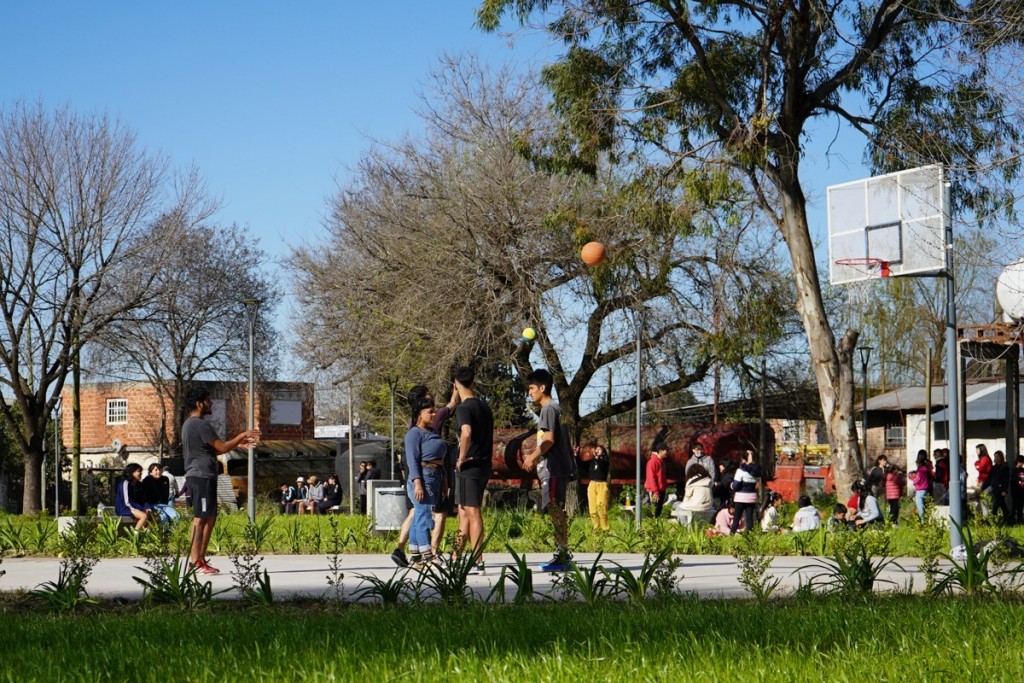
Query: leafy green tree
445, 247
749, 86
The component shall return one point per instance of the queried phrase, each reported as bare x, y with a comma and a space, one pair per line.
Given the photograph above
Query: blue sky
272, 101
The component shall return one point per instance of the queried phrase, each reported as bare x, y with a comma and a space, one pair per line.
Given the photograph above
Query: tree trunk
833, 364
33, 480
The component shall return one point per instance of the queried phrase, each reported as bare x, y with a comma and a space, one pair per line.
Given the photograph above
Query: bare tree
445, 247
77, 196
195, 325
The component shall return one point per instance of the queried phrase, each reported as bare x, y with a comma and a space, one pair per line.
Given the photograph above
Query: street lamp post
638, 321
252, 309
865, 355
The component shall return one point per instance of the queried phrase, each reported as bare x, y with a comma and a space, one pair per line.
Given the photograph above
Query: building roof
985, 401
912, 399
986, 405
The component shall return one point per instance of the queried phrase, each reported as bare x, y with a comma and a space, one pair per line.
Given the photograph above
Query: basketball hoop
869, 266
860, 290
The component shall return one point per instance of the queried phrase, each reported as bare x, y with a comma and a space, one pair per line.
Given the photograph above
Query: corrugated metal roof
912, 399
987, 405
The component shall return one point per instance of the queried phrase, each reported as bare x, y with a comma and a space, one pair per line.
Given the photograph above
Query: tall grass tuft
652, 575
520, 575
68, 594
754, 565
856, 565
250, 579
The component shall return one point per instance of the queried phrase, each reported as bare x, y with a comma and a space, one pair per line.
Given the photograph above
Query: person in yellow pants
597, 464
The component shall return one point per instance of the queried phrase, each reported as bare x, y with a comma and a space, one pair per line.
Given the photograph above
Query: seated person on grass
807, 517
838, 521
697, 498
868, 511
130, 502
723, 521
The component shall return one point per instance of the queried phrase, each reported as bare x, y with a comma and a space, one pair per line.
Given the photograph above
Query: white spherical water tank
1010, 291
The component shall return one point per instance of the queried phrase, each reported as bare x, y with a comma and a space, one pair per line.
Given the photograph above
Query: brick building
125, 417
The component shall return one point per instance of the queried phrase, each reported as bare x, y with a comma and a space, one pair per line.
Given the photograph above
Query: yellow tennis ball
529, 334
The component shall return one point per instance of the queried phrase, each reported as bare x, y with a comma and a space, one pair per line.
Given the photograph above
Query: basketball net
859, 292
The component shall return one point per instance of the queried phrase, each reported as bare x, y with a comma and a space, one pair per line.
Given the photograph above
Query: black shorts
204, 496
552, 492
446, 503
470, 486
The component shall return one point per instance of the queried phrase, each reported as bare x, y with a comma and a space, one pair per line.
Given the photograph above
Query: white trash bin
389, 508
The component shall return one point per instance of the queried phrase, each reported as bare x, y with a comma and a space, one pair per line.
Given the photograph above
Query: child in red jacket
656, 483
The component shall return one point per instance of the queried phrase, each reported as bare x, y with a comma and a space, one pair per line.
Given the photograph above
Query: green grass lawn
523, 531
883, 638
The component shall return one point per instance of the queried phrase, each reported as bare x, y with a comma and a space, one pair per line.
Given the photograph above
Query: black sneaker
399, 558
479, 568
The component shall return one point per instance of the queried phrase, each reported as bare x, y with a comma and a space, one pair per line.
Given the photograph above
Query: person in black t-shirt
156, 488
473, 467
597, 464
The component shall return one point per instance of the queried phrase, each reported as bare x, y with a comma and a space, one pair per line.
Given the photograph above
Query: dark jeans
1018, 506
999, 504
747, 510
362, 503
660, 504
894, 511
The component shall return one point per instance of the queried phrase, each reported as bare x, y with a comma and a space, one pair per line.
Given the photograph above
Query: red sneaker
207, 568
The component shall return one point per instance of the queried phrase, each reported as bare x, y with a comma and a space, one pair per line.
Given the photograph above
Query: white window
117, 411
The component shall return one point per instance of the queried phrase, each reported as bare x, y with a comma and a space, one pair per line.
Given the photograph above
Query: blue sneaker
558, 563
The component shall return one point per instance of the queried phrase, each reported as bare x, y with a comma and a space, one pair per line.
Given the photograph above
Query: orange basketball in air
593, 253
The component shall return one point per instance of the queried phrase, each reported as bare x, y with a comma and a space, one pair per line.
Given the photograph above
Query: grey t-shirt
200, 458
559, 457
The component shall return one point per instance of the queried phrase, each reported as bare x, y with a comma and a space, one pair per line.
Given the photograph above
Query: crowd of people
311, 496
727, 494
446, 478
450, 478
1000, 489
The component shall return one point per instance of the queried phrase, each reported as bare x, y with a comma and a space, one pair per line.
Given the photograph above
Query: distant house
898, 426
124, 418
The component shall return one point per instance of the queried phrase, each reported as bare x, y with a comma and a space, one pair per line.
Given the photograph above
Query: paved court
709, 576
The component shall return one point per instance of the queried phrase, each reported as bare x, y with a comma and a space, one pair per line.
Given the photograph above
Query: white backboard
899, 218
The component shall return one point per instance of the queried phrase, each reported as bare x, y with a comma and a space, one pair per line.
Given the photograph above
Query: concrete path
709, 576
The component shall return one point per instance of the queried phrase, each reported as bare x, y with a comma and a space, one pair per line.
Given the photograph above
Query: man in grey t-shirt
201, 446
555, 471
